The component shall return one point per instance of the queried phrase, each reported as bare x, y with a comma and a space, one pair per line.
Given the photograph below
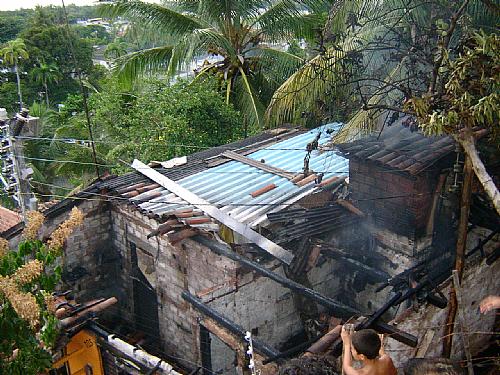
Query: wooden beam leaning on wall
236, 344
333, 306
224, 322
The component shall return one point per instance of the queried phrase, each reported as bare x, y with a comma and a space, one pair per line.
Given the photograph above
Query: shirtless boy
365, 346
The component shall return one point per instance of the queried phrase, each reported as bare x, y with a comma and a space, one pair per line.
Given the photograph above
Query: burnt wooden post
461, 323
227, 324
337, 308
460, 253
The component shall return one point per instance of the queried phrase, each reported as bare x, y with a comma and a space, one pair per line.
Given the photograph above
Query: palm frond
212, 38
182, 55
484, 14
247, 101
366, 121
154, 15
134, 64
286, 18
300, 92
279, 62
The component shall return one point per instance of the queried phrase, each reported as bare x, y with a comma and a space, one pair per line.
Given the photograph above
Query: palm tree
381, 53
45, 74
238, 32
11, 53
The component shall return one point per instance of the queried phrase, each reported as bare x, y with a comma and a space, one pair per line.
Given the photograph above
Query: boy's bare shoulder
383, 366
388, 364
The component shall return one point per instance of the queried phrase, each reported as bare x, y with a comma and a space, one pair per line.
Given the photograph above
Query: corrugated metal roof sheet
228, 186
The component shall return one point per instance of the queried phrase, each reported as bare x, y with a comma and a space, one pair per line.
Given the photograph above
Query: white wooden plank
277, 251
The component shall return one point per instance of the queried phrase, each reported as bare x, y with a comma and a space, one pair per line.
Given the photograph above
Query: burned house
261, 235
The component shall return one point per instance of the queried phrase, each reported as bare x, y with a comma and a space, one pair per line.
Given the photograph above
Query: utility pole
15, 174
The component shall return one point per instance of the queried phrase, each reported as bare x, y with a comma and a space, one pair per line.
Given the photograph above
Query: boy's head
366, 342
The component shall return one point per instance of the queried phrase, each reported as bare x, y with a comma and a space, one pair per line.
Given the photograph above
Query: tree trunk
467, 142
460, 253
19, 87
46, 93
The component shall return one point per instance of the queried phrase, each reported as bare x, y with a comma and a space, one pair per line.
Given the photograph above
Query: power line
82, 88
115, 198
68, 161
223, 147
206, 171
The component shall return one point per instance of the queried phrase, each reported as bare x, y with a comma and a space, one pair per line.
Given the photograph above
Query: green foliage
8, 95
96, 34
10, 26
235, 32
294, 49
374, 55
52, 45
471, 93
161, 121
33, 344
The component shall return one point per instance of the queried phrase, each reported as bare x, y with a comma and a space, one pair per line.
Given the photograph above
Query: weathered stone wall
256, 303
266, 308
427, 322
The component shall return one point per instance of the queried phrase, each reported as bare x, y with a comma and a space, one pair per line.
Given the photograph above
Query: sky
17, 4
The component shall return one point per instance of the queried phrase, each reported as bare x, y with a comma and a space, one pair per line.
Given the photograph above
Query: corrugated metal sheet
228, 186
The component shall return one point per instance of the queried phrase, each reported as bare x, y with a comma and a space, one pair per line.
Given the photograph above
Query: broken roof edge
277, 251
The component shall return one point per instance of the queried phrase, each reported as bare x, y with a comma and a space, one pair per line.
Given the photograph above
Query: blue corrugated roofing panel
228, 186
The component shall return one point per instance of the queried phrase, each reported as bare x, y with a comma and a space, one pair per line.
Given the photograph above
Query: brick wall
396, 201
256, 303
187, 266
90, 266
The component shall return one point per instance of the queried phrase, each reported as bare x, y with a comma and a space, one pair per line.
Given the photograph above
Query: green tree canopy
375, 54
45, 74
238, 33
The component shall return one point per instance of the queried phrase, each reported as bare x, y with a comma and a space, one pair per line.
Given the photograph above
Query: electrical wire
83, 141
115, 198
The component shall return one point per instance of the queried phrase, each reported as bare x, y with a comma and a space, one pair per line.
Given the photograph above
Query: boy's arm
347, 359
381, 352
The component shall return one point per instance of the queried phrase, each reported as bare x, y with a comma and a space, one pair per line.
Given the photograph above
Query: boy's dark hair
431, 366
367, 342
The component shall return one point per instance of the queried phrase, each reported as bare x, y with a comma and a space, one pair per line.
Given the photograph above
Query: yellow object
82, 356
226, 234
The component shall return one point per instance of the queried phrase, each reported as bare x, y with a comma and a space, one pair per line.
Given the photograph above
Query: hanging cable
82, 89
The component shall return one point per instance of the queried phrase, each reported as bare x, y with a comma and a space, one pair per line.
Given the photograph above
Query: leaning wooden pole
467, 142
333, 306
460, 253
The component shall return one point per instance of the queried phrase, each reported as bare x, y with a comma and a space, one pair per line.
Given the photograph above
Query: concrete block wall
186, 266
88, 266
254, 302
90, 248
266, 308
